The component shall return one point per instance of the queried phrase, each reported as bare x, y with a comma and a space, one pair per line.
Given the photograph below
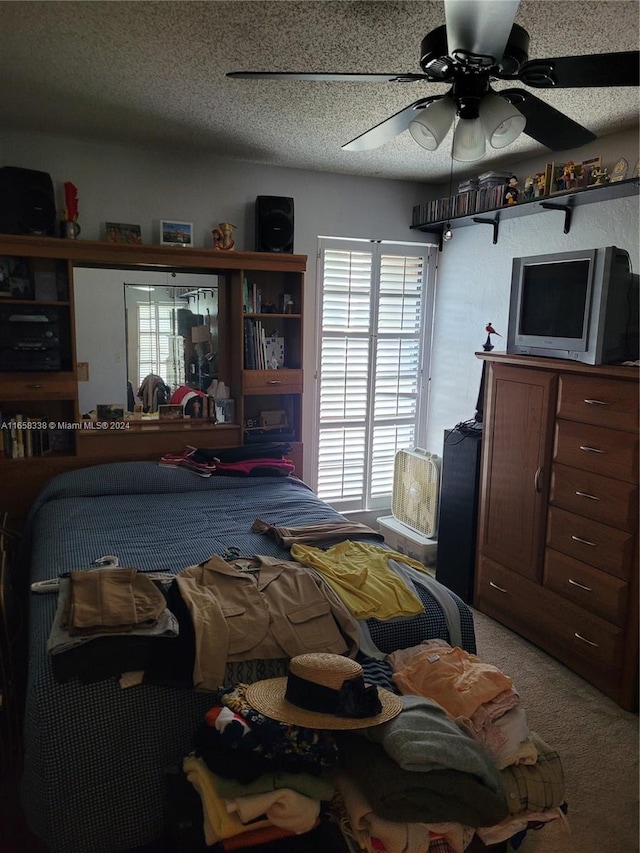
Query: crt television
580, 305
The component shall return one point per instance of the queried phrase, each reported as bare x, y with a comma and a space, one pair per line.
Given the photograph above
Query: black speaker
274, 224
27, 202
458, 519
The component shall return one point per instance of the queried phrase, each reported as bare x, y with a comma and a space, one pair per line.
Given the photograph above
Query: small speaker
27, 202
274, 224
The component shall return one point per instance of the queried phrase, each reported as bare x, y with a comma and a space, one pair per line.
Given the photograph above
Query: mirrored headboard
133, 323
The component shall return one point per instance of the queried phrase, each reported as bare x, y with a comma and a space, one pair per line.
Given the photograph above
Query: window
160, 350
375, 325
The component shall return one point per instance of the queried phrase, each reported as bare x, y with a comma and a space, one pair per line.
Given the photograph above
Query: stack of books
474, 195
261, 351
23, 437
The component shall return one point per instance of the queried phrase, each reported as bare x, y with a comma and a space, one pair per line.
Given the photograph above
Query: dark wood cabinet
558, 531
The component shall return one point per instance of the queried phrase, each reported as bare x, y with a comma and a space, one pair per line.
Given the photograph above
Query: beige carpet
597, 742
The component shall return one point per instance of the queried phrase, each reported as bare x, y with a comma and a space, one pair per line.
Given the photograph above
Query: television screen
554, 299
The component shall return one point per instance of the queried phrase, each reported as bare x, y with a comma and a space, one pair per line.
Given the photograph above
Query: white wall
116, 183
123, 184
474, 279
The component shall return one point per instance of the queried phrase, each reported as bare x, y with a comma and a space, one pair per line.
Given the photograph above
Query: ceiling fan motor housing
438, 65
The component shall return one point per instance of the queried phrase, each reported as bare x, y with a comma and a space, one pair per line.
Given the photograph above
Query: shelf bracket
495, 222
567, 209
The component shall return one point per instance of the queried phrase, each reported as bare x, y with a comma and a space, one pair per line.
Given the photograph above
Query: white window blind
160, 350
374, 339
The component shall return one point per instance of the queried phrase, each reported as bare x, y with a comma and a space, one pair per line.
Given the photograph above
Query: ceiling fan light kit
501, 121
433, 123
468, 140
478, 44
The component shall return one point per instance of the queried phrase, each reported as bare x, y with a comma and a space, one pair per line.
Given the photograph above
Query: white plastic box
402, 538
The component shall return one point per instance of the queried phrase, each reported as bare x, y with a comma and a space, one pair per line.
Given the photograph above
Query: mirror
134, 325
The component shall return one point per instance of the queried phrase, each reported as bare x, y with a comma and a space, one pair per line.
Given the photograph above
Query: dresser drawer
587, 587
38, 386
272, 381
588, 541
591, 448
594, 496
586, 642
599, 401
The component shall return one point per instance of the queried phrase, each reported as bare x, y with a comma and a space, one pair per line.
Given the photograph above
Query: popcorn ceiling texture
153, 74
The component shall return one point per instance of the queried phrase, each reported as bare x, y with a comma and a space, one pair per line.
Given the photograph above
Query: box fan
414, 504
416, 487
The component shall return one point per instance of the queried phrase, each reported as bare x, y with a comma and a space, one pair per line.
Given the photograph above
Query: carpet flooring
596, 740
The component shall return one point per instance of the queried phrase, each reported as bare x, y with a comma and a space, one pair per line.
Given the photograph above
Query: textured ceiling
153, 73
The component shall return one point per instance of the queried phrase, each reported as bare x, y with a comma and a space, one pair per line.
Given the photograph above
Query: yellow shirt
360, 574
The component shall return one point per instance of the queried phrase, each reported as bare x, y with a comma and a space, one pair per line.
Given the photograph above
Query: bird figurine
487, 346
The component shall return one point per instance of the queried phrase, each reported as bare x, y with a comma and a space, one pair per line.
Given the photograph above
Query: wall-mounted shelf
563, 202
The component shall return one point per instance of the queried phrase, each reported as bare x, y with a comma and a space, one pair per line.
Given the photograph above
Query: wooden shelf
563, 202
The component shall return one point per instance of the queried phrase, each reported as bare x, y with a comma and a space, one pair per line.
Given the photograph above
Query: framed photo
174, 233
171, 412
123, 232
110, 412
588, 167
620, 170
16, 280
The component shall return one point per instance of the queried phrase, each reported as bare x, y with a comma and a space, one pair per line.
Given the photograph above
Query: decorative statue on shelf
511, 192
487, 346
540, 184
600, 176
223, 236
528, 188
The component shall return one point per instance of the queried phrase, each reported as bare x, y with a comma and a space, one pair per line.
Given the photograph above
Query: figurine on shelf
487, 346
223, 236
599, 176
569, 175
528, 188
540, 184
512, 192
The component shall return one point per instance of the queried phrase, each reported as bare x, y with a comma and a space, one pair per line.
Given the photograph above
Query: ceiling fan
478, 44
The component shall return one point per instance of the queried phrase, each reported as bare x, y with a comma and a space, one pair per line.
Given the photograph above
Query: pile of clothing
268, 460
396, 774
108, 620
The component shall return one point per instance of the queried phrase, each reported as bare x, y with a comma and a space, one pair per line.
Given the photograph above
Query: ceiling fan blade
321, 77
480, 27
390, 127
545, 124
574, 72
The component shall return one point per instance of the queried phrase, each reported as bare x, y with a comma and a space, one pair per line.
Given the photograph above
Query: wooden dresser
558, 525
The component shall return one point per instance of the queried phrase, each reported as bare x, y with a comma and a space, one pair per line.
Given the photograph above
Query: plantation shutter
373, 341
160, 351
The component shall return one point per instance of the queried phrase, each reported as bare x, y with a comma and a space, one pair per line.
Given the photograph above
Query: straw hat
323, 691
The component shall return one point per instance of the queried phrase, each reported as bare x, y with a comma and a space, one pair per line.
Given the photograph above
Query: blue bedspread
95, 753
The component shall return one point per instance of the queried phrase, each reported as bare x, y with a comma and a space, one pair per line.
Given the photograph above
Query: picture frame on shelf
16, 280
110, 412
174, 232
587, 167
171, 412
123, 232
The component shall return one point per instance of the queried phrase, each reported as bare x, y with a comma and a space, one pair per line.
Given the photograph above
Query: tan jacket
271, 609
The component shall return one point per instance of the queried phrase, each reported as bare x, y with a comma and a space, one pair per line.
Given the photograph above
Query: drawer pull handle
588, 449
581, 585
584, 541
596, 403
537, 479
274, 382
495, 586
584, 640
34, 385
587, 495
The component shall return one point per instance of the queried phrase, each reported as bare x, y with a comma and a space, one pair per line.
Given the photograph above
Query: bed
95, 754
